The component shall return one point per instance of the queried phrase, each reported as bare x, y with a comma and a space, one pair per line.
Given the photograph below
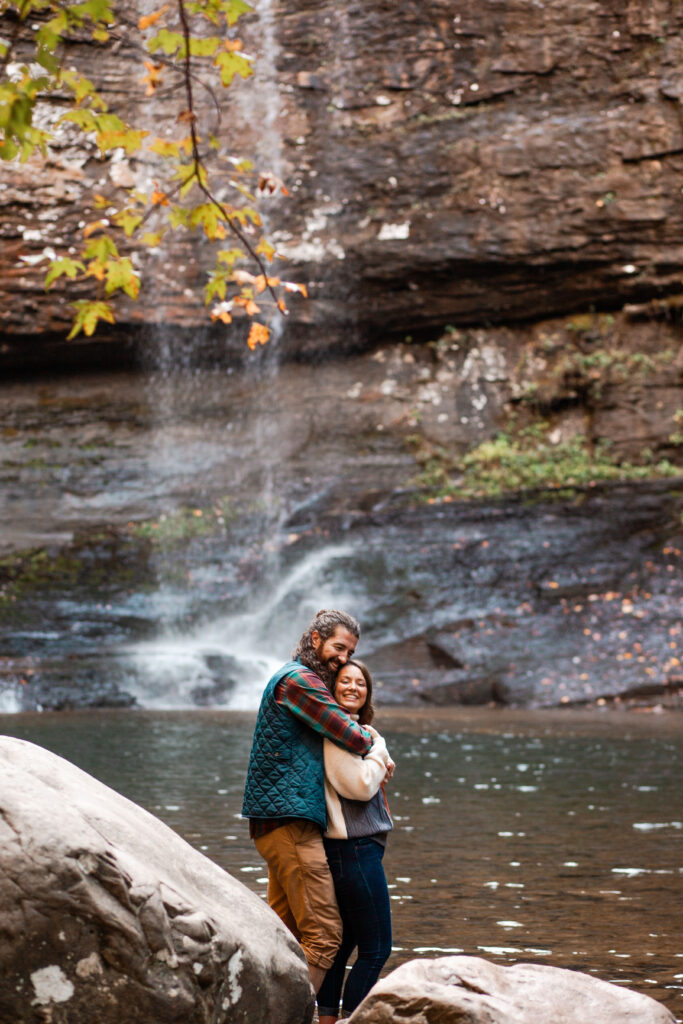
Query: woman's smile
350, 690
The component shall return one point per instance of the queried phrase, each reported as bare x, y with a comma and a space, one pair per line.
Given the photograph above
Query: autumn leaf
152, 238
231, 64
264, 248
128, 221
222, 312
258, 335
172, 43
270, 183
153, 77
234, 9
158, 198
63, 267
292, 286
88, 315
151, 19
96, 269
95, 225
121, 276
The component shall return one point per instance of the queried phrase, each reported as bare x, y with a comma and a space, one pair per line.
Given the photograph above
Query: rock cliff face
449, 163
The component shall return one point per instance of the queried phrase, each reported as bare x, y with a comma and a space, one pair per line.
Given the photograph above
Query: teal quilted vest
286, 774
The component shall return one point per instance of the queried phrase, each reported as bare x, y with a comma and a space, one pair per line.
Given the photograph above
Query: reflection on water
519, 836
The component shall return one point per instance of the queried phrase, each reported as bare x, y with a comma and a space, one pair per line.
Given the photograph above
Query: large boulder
469, 990
107, 915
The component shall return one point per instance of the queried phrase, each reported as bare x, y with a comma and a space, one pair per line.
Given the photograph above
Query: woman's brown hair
367, 712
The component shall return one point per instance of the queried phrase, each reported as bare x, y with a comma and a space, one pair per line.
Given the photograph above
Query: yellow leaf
151, 19
258, 335
264, 248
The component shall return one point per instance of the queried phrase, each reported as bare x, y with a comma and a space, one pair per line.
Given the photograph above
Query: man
284, 796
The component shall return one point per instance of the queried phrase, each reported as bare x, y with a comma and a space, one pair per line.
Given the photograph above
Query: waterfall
207, 449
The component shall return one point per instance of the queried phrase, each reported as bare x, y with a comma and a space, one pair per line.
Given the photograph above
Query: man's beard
321, 668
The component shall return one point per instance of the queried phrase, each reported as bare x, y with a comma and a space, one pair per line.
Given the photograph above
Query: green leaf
204, 47
98, 11
152, 238
82, 88
128, 221
64, 267
103, 248
178, 217
229, 257
234, 9
122, 276
231, 64
85, 119
216, 287
172, 43
88, 315
129, 140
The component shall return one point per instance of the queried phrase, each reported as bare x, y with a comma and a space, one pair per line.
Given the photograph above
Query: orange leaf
153, 77
186, 117
292, 286
151, 19
96, 270
260, 284
159, 198
94, 225
281, 305
221, 314
233, 45
258, 335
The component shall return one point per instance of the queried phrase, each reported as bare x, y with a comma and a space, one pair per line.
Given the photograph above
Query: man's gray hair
325, 623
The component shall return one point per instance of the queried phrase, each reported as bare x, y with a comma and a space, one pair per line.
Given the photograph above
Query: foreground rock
469, 990
109, 916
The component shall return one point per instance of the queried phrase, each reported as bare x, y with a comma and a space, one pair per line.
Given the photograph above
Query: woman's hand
391, 768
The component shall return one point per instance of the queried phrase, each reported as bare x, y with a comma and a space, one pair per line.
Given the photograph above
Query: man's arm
304, 694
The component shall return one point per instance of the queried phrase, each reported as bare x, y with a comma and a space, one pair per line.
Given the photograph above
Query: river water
546, 837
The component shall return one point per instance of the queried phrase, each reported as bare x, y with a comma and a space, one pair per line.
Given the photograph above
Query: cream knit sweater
352, 777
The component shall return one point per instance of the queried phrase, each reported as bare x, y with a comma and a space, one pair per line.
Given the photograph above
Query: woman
358, 821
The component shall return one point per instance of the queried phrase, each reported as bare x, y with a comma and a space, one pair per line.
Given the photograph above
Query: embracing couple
317, 811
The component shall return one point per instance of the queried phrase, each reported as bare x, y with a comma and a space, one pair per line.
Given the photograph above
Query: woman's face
350, 689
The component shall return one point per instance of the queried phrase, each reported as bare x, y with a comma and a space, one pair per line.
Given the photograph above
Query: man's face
337, 649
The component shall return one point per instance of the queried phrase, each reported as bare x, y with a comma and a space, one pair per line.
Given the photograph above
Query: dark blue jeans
363, 898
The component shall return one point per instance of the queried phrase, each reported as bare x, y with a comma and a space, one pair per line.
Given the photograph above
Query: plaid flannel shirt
304, 694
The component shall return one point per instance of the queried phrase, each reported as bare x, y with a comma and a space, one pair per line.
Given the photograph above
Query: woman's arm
354, 777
